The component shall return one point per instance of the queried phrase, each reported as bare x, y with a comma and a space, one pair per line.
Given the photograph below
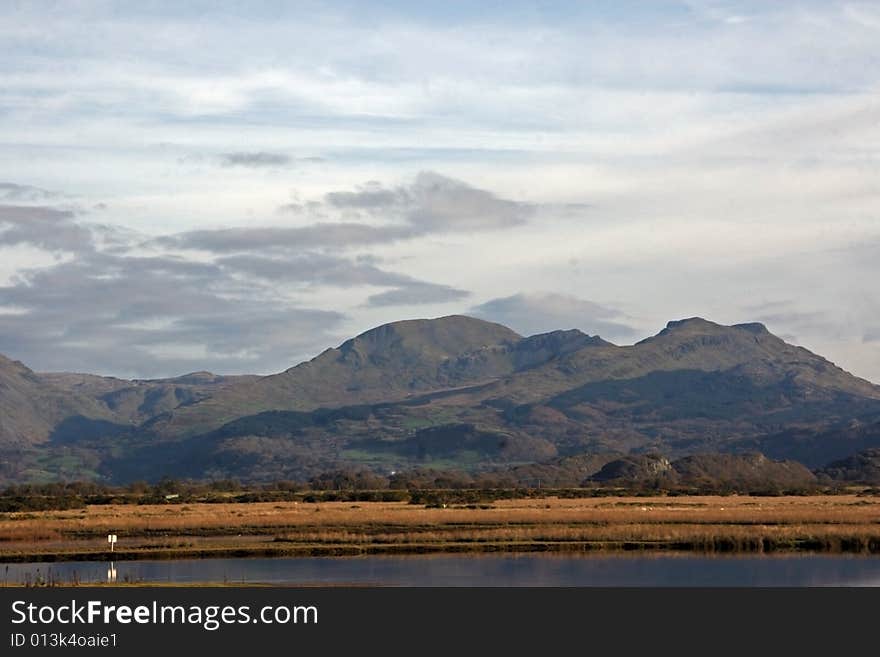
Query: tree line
418, 486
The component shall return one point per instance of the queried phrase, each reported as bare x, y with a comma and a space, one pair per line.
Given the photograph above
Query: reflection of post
111, 539
111, 573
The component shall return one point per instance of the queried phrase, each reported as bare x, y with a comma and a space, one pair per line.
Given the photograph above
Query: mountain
562, 472
744, 472
453, 392
695, 385
817, 444
56, 425
861, 468
387, 363
31, 408
137, 401
636, 469
746, 351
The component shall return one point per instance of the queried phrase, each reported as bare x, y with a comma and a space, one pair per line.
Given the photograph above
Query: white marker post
111, 539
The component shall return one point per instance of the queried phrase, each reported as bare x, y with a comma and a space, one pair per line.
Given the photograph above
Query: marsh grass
709, 523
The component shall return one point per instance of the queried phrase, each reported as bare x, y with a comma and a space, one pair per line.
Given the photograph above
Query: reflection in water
484, 570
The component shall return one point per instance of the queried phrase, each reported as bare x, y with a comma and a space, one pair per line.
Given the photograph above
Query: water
483, 570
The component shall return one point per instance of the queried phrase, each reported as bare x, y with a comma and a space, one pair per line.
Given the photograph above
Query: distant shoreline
867, 545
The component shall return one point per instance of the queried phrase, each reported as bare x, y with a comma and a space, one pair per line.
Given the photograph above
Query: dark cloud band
140, 307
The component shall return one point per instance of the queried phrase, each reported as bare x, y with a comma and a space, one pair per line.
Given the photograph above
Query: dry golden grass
737, 522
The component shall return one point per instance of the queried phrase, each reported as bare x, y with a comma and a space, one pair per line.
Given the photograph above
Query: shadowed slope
30, 408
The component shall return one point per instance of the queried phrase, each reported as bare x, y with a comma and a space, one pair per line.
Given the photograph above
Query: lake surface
483, 570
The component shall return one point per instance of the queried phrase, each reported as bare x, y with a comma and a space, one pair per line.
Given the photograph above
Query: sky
236, 186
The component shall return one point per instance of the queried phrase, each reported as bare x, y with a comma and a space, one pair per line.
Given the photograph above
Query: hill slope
391, 401
742, 472
140, 400
390, 362
458, 392
863, 467
31, 408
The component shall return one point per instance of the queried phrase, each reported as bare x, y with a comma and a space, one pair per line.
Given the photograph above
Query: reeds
739, 523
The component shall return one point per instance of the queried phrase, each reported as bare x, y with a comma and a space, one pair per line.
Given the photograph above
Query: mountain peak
698, 324
685, 328
201, 376
449, 335
563, 340
446, 321
690, 323
752, 327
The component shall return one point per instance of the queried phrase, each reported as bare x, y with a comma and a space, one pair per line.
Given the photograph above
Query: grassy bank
841, 523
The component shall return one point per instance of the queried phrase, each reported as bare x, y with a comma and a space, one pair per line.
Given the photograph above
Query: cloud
108, 310
708, 147
813, 322
871, 335
417, 293
150, 307
254, 160
530, 313
313, 269
45, 227
434, 203
370, 197
431, 204
322, 269
11, 192
230, 240
792, 322
442, 204
134, 307
155, 316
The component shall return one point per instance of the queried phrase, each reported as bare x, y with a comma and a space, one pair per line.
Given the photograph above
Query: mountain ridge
453, 391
